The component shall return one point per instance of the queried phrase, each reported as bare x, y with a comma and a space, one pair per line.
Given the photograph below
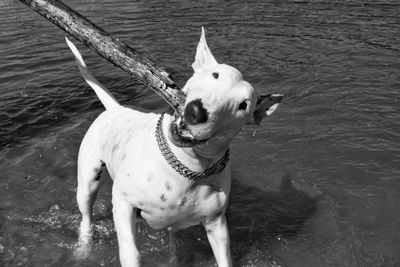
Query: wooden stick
118, 53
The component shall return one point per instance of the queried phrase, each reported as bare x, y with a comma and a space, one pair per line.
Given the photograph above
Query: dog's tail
102, 93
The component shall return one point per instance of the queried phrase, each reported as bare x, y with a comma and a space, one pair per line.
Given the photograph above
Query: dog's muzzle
181, 135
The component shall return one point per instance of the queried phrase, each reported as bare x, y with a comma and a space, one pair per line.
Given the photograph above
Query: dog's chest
182, 208
167, 199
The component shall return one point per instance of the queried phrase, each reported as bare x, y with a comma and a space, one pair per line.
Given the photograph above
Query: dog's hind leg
89, 169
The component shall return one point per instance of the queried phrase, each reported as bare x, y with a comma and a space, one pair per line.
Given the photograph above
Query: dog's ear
204, 58
266, 105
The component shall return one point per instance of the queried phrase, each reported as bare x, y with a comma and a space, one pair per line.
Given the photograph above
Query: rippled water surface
318, 184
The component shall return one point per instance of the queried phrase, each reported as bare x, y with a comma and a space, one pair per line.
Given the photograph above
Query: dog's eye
215, 75
243, 105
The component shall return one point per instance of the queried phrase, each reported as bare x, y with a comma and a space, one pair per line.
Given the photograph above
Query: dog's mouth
181, 136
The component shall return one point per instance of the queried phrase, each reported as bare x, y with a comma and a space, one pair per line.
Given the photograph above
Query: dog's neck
197, 158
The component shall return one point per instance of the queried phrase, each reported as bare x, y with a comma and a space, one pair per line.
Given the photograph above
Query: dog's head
218, 103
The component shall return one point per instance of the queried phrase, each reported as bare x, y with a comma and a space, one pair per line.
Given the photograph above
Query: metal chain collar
178, 166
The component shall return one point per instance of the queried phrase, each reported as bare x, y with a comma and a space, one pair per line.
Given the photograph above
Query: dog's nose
195, 113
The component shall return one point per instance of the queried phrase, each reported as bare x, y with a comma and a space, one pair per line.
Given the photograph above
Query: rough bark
118, 53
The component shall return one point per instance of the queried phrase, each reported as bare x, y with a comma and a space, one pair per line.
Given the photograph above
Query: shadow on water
256, 219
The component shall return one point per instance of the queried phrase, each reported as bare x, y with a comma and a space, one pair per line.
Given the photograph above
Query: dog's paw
82, 250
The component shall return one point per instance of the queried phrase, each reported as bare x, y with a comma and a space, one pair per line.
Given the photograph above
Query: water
317, 185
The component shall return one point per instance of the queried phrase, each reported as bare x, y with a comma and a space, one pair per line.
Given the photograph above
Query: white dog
172, 168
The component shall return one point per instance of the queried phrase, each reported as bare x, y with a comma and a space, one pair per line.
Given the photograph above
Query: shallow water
315, 185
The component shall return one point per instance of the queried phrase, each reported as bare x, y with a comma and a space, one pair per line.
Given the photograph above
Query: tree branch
116, 52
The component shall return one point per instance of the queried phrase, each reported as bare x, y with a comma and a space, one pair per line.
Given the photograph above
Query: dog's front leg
125, 225
218, 236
